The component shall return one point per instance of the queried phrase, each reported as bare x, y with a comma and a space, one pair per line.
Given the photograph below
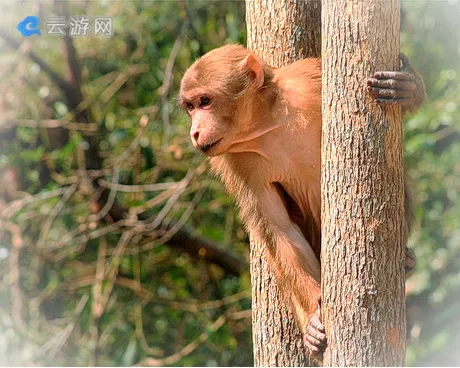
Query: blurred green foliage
72, 296
431, 39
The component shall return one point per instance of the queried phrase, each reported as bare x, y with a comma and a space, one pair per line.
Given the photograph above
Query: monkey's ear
252, 65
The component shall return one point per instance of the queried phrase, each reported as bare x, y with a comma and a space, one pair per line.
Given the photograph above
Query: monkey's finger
404, 59
316, 323
406, 65
389, 93
392, 101
394, 75
314, 341
410, 253
313, 348
315, 333
405, 85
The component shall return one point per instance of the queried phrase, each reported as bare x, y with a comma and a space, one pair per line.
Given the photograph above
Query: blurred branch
99, 278
190, 17
48, 123
239, 315
155, 221
444, 136
111, 198
74, 236
186, 350
183, 219
73, 66
113, 269
192, 306
139, 188
53, 214
14, 276
55, 344
138, 319
143, 123
204, 248
166, 86
155, 201
183, 239
121, 79
15, 206
55, 77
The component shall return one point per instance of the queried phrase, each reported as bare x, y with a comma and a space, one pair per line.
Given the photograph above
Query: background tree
362, 189
276, 339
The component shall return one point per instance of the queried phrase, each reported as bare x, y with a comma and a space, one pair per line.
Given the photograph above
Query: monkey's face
211, 116
212, 91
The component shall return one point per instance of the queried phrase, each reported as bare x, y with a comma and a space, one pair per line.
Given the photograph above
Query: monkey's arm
286, 235
405, 87
296, 266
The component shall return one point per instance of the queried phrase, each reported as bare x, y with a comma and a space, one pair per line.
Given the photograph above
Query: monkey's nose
195, 135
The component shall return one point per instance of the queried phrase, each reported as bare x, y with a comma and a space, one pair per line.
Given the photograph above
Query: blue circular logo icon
29, 26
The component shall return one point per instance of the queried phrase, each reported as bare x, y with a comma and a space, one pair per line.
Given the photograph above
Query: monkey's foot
391, 88
411, 261
315, 338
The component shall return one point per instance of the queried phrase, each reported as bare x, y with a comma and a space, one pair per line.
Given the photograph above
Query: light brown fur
287, 105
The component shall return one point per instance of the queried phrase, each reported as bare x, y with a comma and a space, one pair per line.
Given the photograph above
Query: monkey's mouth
206, 147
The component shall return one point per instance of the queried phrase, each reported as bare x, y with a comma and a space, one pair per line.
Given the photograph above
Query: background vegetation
116, 245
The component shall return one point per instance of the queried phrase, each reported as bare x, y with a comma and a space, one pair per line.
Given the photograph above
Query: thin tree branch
168, 82
55, 77
47, 123
186, 350
204, 248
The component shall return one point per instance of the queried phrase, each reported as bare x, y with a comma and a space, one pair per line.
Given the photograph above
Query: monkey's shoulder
307, 69
300, 84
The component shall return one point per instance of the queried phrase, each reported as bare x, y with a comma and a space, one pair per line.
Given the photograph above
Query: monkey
261, 130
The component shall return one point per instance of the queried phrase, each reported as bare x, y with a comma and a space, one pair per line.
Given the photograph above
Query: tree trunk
280, 32
362, 190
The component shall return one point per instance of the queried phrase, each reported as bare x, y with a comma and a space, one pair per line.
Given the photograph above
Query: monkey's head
220, 93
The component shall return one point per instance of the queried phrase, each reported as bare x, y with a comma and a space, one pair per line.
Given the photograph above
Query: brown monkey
261, 128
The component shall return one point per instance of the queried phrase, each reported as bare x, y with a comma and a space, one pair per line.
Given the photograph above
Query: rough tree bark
280, 32
362, 189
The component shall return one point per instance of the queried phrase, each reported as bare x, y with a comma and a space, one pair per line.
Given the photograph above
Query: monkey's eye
189, 106
205, 101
